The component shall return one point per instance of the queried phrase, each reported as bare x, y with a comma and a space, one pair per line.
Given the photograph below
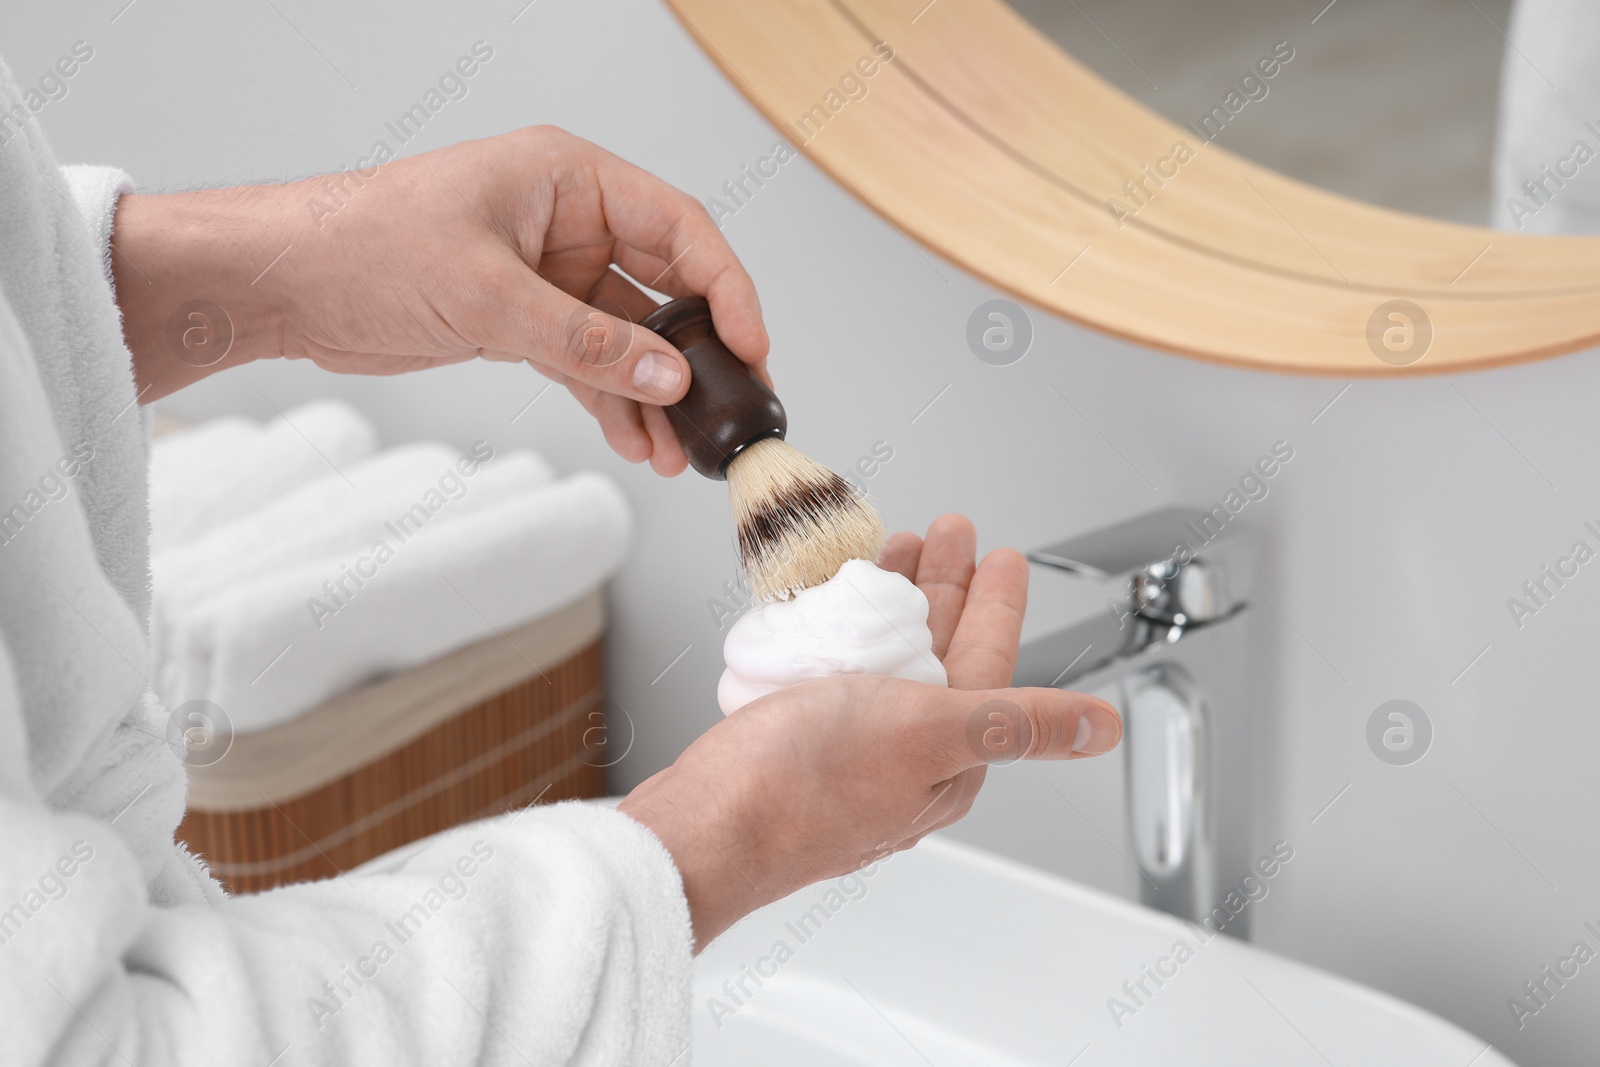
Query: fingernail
657, 374
1098, 732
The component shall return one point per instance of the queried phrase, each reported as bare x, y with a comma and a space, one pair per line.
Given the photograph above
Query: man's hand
822, 778
501, 249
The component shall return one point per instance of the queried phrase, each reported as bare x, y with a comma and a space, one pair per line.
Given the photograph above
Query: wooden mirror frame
980, 138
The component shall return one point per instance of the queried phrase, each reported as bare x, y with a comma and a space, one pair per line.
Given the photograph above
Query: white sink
948, 956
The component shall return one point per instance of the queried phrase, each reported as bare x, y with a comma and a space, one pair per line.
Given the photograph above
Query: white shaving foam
863, 620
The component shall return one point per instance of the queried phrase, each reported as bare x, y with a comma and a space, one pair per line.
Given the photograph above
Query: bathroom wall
1410, 512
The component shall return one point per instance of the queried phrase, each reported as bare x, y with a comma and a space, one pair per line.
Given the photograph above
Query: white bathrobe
556, 936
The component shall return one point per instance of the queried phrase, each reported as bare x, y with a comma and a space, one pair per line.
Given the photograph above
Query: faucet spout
1149, 647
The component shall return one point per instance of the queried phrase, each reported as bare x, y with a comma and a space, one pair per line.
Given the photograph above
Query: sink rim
1246, 956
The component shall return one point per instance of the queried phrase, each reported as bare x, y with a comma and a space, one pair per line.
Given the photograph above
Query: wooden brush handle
727, 408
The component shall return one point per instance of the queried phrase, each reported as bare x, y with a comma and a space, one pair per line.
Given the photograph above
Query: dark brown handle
727, 408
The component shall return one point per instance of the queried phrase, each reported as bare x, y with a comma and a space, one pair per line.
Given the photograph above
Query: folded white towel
334, 516
216, 472
277, 645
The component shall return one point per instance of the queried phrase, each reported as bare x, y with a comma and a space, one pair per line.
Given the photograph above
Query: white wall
1410, 512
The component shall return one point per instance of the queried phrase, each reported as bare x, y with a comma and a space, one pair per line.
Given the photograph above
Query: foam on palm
863, 620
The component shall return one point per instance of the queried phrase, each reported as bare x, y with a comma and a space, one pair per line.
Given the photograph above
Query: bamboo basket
512, 720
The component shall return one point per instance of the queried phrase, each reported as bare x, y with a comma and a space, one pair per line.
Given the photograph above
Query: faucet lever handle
1155, 554
1123, 550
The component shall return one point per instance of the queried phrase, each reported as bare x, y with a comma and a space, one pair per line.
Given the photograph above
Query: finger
666, 451
656, 273
616, 295
953, 798
653, 272
943, 572
983, 651
542, 324
648, 215
1003, 725
900, 555
622, 425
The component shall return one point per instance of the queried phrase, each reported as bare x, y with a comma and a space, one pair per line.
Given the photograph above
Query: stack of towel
293, 560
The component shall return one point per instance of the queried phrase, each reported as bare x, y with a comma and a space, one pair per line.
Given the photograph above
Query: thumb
1006, 725
605, 351
618, 356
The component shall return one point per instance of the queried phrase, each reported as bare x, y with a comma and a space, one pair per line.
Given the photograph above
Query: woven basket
409, 756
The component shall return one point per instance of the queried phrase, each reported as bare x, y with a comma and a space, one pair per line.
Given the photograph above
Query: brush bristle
796, 521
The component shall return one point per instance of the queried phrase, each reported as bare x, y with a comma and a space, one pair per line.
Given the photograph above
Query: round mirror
1308, 214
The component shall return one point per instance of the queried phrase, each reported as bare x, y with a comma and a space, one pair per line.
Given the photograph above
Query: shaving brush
795, 521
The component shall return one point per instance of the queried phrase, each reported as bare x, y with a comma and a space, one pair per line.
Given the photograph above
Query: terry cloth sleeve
559, 936
95, 191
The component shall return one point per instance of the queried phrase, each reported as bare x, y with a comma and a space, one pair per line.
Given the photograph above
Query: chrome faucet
1180, 661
